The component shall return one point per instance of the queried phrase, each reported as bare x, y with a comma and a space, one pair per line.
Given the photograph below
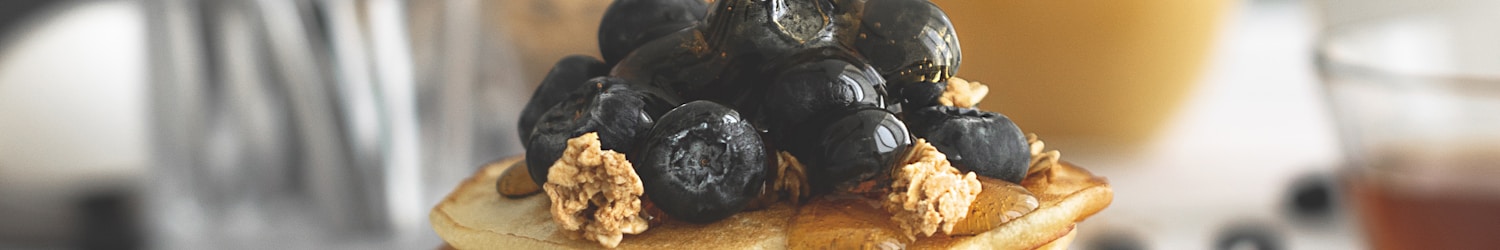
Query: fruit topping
790, 99
767, 28
999, 202
820, 85
918, 95
733, 54
962, 93
589, 179
620, 112
566, 76
629, 23
909, 41
987, 143
702, 162
857, 146
682, 64
928, 194
516, 182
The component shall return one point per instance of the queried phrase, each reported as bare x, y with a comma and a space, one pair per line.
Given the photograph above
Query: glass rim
1330, 45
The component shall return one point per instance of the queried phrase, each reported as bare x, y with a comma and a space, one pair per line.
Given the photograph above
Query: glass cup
1415, 89
320, 124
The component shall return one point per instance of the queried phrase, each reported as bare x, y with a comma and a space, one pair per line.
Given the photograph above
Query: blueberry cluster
701, 97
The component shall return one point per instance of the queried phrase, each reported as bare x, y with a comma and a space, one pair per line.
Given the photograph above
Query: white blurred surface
72, 94
72, 110
1256, 122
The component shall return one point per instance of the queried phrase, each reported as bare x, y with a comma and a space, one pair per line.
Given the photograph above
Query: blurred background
311, 124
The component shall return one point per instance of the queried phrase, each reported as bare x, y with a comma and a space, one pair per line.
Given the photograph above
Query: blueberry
682, 64
987, 143
733, 53
858, 143
725, 59
845, 17
764, 32
628, 24
909, 41
565, 76
702, 162
620, 112
1313, 198
823, 83
917, 95
771, 27
1249, 235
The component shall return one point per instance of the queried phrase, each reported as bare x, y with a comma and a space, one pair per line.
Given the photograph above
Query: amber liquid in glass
1453, 206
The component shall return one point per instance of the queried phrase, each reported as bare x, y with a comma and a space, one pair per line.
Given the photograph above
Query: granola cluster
587, 179
928, 194
1041, 158
963, 93
791, 176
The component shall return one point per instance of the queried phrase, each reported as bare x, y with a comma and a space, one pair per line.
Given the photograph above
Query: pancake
476, 216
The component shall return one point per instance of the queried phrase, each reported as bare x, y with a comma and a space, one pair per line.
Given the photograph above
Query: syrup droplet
999, 202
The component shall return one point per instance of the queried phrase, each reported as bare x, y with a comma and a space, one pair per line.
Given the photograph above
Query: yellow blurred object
1090, 74
546, 31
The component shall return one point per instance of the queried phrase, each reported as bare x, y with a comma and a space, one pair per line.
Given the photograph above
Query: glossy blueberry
702, 162
821, 84
628, 24
723, 60
777, 27
909, 41
620, 112
845, 18
734, 52
565, 77
859, 143
918, 95
987, 143
680, 63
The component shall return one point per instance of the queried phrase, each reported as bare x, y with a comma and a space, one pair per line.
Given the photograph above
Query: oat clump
928, 194
588, 179
963, 93
1041, 158
791, 176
